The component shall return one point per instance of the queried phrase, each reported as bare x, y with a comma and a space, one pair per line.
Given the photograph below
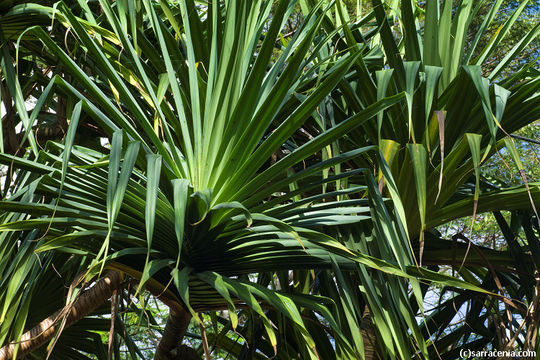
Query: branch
169, 347
87, 302
175, 329
525, 139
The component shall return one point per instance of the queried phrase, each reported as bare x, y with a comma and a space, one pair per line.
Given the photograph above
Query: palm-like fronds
188, 200
206, 191
435, 142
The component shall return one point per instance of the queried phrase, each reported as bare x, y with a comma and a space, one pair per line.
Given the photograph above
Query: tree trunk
369, 336
175, 329
87, 302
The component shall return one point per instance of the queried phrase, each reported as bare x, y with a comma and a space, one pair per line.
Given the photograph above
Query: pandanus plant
231, 169
456, 115
181, 172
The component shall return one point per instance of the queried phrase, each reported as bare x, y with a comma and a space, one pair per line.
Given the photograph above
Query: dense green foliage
289, 174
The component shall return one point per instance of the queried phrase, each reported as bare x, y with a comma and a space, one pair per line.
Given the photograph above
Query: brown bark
87, 302
175, 329
369, 336
169, 348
